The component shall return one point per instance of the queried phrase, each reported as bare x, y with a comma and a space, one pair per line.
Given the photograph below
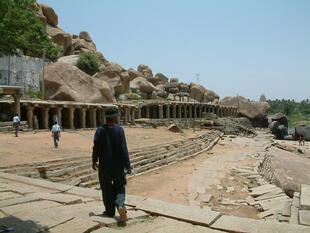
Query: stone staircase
77, 171
7, 126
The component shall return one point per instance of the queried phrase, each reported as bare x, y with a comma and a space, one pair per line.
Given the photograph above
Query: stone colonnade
184, 110
41, 115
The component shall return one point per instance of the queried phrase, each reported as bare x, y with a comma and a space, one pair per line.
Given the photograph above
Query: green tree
89, 63
21, 30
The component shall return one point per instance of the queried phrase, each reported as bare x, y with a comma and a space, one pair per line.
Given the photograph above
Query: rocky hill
141, 81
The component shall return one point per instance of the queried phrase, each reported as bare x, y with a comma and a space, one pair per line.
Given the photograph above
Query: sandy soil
171, 183
31, 147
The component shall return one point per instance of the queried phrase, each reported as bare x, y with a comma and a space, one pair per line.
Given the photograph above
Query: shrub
88, 63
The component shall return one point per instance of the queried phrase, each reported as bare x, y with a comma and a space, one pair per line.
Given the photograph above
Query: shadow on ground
16, 225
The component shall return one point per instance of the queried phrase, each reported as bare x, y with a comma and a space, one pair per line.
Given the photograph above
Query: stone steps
77, 171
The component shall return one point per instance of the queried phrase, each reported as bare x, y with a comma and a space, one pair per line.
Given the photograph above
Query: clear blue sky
247, 47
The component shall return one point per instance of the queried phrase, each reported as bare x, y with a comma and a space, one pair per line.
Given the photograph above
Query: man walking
110, 149
16, 123
56, 133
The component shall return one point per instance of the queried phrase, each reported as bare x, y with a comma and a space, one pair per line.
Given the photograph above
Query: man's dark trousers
112, 182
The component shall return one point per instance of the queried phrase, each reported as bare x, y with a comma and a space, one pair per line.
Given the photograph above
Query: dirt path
31, 147
180, 182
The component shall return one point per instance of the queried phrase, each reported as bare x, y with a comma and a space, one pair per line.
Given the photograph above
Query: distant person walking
16, 123
110, 149
56, 133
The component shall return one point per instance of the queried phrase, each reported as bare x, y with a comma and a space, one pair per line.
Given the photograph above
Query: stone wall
21, 71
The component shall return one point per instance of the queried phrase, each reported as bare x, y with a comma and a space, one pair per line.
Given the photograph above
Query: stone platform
32, 205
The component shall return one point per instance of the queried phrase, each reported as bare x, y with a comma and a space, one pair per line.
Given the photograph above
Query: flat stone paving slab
76, 225
190, 214
158, 225
305, 189
304, 201
58, 197
22, 209
237, 224
260, 190
16, 201
8, 195
304, 217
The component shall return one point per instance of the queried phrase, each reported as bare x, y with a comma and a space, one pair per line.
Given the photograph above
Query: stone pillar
168, 111
180, 111
217, 111
104, 119
185, 110
190, 111
133, 116
195, 111
59, 115
71, 117
126, 116
30, 116
17, 104
174, 111
82, 118
119, 116
44, 112
92, 117
147, 111
160, 111
139, 112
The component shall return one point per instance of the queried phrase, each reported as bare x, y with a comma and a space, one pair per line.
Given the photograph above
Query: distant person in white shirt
56, 134
16, 122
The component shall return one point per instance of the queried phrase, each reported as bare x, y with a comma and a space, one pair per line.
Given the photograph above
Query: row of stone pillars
161, 111
72, 117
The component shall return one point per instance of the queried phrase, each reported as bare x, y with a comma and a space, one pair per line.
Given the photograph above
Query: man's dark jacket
110, 148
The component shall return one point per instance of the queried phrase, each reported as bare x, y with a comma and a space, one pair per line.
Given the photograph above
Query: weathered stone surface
8, 195
25, 208
75, 225
116, 76
303, 131
18, 200
85, 35
196, 92
281, 118
304, 217
304, 201
49, 13
237, 224
134, 74
145, 70
186, 213
79, 44
61, 38
255, 111
71, 59
260, 190
66, 82
160, 79
57, 197
142, 85
290, 170
210, 97
132, 200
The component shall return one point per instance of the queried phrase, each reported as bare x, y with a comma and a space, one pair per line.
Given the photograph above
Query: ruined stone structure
74, 115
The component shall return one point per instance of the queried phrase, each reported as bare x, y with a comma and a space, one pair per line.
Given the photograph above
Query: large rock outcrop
302, 131
61, 38
50, 15
255, 111
116, 76
145, 70
142, 85
66, 82
281, 118
200, 94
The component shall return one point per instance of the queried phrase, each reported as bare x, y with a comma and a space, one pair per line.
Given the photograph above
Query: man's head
55, 123
16, 114
111, 113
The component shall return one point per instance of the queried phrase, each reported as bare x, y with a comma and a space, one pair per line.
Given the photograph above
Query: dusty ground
30, 147
170, 184
177, 182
